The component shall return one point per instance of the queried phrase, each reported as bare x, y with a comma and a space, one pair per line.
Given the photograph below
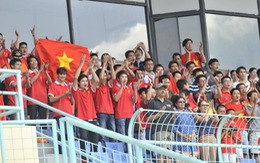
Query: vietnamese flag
61, 54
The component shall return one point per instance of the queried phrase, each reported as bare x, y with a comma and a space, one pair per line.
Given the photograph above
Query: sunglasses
182, 101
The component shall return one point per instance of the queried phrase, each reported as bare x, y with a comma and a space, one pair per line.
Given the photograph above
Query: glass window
167, 40
241, 6
171, 32
233, 40
135, 0
168, 6
108, 27
48, 16
189, 27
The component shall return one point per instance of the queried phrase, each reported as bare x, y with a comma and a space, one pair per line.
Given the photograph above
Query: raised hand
82, 59
201, 47
33, 31
16, 33
59, 38
45, 67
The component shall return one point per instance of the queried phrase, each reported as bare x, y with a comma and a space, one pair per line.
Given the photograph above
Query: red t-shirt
63, 104
84, 103
194, 58
226, 96
103, 100
4, 58
192, 102
240, 122
1, 111
38, 89
227, 139
173, 86
11, 98
124, 106
139, 99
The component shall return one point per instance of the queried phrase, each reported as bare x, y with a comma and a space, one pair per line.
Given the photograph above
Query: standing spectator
102, 97
165, 79
4, 53
184, 128
177, 57
226, 86
240, 110
139, 50
253, 75
124, 97
213, 67
230, 135
197, 57
149, 75
242, 77
82, 92
206, 125
60, 96
254, 125
11, 85
159, 71
234, 77
39, 81
161, 121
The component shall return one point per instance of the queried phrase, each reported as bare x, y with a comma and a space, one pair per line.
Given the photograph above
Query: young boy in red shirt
102, 97
60, 96
230, 135
82, 92
124, 97
11, 85
39, 81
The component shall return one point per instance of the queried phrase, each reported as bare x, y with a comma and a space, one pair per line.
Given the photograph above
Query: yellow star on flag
65, 61
196, 62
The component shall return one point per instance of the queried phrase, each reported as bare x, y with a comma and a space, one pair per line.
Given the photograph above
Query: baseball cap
160, 85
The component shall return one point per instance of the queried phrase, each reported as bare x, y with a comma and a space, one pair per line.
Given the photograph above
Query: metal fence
38, 140
208, 137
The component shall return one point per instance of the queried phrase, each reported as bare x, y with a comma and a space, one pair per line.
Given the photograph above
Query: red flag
61, 54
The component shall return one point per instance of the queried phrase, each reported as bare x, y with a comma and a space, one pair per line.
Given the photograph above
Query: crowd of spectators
106, 94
